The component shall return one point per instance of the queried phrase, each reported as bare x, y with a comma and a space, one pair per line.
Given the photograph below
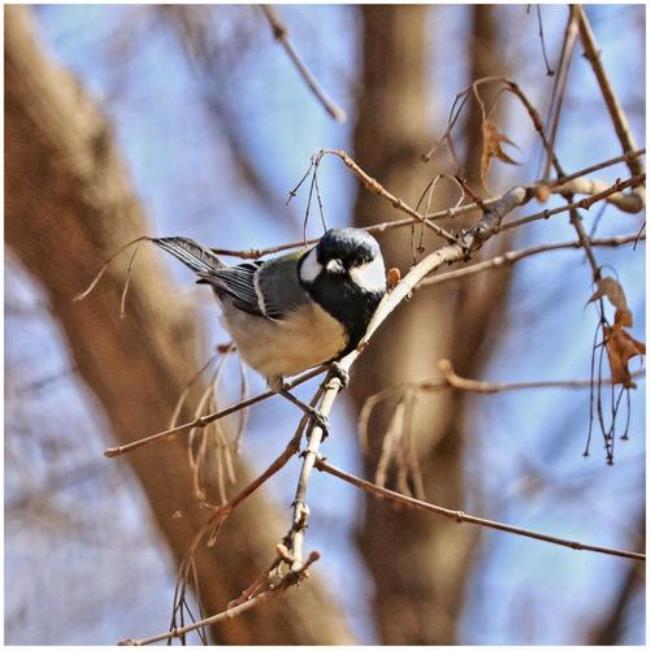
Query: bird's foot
322, 422
337, 371
319, 420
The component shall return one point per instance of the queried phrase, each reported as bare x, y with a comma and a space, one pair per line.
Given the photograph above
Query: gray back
281, 287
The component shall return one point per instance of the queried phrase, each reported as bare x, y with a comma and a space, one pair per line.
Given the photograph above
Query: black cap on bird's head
353, 247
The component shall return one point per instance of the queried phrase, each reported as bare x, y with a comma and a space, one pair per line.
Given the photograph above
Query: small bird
296, 311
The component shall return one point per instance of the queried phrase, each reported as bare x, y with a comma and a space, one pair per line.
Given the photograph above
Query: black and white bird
296, 311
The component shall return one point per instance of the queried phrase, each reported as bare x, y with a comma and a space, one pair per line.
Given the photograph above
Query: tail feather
200, 259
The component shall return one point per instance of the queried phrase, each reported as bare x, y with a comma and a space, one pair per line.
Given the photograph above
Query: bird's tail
200, 259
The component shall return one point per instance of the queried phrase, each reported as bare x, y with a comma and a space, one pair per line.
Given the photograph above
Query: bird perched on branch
296, 311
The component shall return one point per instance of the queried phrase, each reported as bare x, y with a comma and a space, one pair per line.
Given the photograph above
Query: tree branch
281, 34
203, 420
460, 517
511, 257
621, 124
448, 213
289, 580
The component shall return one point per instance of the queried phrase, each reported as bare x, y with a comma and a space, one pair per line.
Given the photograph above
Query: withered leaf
623, 317
621, 347
608, 287
492, 141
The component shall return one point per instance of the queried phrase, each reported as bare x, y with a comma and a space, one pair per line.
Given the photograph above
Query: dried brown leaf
621, 347
623, 317
612, 290
492, 141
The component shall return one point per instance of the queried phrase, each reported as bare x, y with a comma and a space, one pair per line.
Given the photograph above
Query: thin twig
204, 420
448, 213
560, 84
549, 71
511, 257
294, 538
621, 124
460, 517
375, 187
289, 579
586, 203
281, 35
452, 380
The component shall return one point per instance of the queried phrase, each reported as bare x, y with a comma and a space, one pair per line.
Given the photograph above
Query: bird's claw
322, 422
337, 371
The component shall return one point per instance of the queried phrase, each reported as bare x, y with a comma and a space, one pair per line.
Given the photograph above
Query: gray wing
239, 283
280, 286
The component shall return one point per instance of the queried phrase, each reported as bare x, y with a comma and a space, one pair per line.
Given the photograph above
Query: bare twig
404, 390
560, 84
621, 124
512, 257
281, 35
586, 203
452, 380
289, 580
375, 187
447, 213
540, 27
461, 517
204, 420
629, 202
294, 538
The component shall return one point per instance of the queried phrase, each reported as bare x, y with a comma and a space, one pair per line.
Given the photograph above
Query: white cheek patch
310, 267
370, 276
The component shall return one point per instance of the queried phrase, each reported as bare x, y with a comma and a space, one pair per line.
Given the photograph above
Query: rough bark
69, 204
420, 565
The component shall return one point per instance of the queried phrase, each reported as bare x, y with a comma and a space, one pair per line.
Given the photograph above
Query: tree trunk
420, 565
69, 205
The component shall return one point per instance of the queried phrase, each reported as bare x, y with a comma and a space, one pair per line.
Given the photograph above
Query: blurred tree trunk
69, 204
420, 565
610, 629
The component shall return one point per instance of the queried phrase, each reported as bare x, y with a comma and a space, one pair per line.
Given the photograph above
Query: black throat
351, 305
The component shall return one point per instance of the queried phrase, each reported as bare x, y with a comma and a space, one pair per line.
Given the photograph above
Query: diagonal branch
460, 517
281, 34
621, 124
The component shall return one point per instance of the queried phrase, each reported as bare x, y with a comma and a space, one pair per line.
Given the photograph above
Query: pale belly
285, 347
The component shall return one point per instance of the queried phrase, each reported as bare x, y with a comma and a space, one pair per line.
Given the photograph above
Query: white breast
285, 347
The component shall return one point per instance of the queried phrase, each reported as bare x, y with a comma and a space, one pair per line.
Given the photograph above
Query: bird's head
347, 255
